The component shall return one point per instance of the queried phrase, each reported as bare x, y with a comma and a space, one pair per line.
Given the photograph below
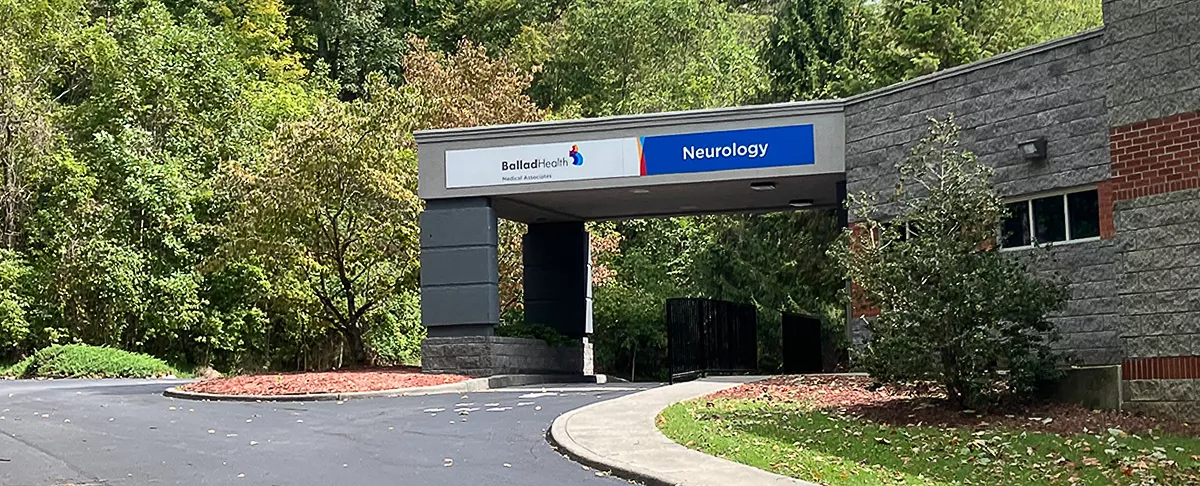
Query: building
1118, 192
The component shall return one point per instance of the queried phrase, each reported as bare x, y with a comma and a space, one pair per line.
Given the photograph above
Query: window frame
1028, 199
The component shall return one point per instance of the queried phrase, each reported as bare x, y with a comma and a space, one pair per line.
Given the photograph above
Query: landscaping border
468, 386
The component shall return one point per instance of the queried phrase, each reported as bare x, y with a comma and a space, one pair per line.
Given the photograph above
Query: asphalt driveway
127, 433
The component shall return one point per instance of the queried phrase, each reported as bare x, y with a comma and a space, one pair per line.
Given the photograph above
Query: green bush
82, 361
512, 324
16, 369
953, 309
394, 334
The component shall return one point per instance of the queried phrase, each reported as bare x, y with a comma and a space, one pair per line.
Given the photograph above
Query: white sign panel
551, 162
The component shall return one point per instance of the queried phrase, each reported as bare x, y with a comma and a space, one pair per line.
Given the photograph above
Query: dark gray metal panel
460, 305
459, 271
552, 243
552, 281
458, 222
459, 265
557, 277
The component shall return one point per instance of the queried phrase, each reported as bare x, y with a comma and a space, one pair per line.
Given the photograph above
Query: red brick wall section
859, 306
1169, 368
1155, 157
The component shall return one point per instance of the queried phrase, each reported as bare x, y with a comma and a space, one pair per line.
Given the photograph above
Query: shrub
14, 328
513, 325
953, 310
394, 334
82, 361
15, 370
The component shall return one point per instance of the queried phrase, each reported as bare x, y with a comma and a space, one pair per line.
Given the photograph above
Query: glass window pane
1016, 225
1085, 214
1049, 223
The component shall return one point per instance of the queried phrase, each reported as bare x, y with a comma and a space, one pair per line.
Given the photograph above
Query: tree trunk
633, 364
357, 348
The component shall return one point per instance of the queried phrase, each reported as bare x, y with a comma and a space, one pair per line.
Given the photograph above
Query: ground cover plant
847, 431
15, 369
82, 361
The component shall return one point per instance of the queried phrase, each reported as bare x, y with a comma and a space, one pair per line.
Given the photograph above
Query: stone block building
1117, 198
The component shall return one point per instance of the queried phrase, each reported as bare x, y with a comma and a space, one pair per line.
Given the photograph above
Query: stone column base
494, 355
1173, 399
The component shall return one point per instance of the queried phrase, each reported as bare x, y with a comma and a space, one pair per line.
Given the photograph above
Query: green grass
81, 361
820, 447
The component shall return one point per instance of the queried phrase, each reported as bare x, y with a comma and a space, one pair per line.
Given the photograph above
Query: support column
460, 292
558, 284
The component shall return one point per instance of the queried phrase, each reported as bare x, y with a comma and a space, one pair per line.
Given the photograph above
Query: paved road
126, 433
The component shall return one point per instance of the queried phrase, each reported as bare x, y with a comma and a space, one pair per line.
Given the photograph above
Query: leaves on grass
815, 432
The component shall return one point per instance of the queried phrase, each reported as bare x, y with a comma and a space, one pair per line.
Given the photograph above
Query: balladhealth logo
574, 157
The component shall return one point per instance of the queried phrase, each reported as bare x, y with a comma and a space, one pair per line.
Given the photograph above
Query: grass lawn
794, 439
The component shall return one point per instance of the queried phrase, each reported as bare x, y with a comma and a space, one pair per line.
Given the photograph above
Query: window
1050, 219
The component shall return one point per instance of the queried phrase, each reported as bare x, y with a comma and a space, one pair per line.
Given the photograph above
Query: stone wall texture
1089, 326
493, 355
1164, 398
1159, 241
1154, 48
1055, 90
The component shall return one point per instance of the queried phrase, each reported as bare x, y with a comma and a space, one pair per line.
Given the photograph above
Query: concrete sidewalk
620, 435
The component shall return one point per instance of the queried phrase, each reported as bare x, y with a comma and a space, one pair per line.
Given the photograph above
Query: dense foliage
953, 309
81, 361
231, 182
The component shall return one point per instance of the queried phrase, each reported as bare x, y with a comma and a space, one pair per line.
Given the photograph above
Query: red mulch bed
858, 396
341, 381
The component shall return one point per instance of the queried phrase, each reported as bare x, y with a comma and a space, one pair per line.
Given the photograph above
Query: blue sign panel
734, 149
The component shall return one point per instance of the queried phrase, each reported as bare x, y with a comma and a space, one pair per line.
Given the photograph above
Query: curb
557, 436
561, 440
469, 386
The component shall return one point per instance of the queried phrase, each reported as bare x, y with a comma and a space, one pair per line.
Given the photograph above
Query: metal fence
802, 352
710, 336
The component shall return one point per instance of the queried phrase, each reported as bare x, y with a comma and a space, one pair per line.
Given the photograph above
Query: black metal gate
801, 344
710, 336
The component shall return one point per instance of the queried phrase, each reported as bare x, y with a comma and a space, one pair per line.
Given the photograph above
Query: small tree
332, 206
953, 310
